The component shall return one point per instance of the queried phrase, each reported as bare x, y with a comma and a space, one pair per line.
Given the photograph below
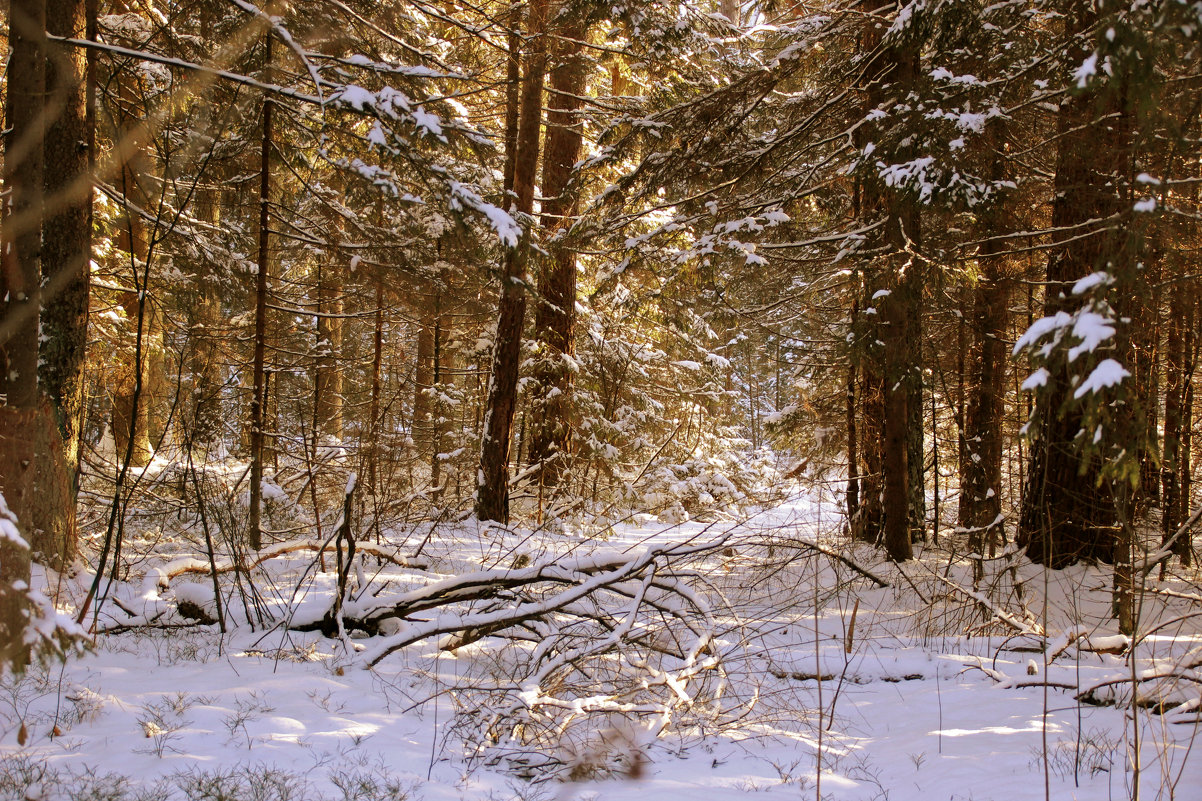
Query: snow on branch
48, 633
536, 592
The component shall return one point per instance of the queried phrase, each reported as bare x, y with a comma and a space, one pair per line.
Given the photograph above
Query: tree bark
259, 393
555, 317
983, 412
1173, 501
492, 480
981, 467
893, 367
66, 255
22, 210
327, 373
1067, 515
423, 381
22, 451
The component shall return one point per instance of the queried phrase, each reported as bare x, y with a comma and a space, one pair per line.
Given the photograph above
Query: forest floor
831, 686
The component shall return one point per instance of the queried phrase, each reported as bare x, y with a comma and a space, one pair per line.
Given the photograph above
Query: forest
555, 399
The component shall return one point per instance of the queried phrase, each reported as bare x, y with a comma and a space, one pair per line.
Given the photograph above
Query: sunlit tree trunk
20, 267
555, 317
66, 254
492, 490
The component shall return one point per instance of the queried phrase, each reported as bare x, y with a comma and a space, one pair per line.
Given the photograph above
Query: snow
1108, 373
1100, 278
917, 701
1086, 72
1092, 328
1037, 379
356, 97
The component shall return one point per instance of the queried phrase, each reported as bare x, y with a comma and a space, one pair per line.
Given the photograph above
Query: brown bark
34, 479
555, 317
17, 486
423, 380
373, 415
66, 254
440, 349
892, 368
327, 373
868, 523
1066, 514
983, 411
33, 475
492, 490
853, 454
1173, 501
259, 393
981, 467
20, 264
133, 377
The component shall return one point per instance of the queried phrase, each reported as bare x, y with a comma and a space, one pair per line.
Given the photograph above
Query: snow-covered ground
830, 686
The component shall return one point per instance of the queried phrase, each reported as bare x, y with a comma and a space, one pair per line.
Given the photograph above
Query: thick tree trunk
983, 411
22, 209
981, 467
893, 368
1067, 514
555, 316
66, 255
492, 481
18, 484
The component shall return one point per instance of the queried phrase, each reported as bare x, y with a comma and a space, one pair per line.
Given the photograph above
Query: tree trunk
867, 527
259, 393
423, 381
892, 71
22, 210
1173, 502
132, 384
327, 374
207, 380
555, 316
18, 483
66, 255
983, 412
436, 427
981, 476
1066, 514
853, 453
492, 481
29, 439
373, 414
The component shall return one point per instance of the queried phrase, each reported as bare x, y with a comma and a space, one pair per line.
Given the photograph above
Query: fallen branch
1166, 548
833, 554
162, 576
579, 578
1022, 627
